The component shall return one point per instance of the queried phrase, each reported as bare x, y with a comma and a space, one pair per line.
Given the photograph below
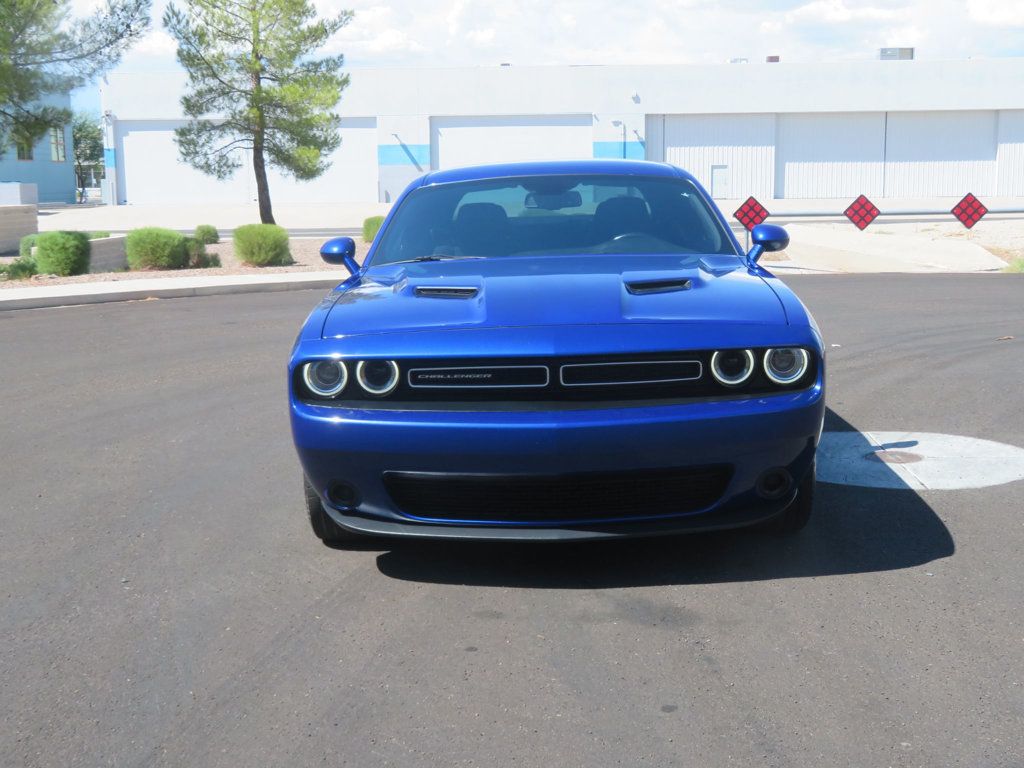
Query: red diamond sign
751, 213
862, 212
969, 210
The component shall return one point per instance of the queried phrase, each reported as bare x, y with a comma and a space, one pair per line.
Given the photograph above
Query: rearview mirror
548, 201
766, 238
340, 250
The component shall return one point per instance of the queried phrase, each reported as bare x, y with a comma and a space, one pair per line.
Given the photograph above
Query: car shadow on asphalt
853, 530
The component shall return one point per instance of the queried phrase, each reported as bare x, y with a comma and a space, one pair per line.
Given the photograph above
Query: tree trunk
259, 167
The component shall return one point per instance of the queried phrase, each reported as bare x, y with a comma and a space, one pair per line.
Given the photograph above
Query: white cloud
156, 43
488, 32
997, 12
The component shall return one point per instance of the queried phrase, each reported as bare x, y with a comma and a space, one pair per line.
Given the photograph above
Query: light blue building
49, 163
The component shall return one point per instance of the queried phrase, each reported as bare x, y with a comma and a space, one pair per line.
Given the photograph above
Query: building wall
893, 128
55, 180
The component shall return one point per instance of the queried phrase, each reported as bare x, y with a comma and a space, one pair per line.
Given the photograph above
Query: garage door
459, 141
149, 170
940, 154
352, 176
733, 156
830, 155
1011, 153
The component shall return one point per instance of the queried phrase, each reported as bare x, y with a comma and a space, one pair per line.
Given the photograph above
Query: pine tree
44, 52
255, 85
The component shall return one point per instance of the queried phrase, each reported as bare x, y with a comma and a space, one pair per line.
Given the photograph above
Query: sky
445, 33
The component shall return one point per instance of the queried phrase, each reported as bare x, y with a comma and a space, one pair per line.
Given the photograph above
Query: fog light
342, 495
774, 483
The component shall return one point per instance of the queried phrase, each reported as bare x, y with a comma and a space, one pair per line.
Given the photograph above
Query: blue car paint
733, 304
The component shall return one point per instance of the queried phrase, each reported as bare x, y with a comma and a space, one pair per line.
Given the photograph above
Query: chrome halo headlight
732, 367
378, 377
325, 378
786, 365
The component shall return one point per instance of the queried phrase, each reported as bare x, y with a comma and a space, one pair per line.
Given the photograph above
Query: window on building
24, 150
57, 145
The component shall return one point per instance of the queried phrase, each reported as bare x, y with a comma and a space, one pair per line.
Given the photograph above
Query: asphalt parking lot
164, 603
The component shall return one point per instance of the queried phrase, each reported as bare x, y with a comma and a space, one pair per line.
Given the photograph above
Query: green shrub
1017, 265
371, 227
21, 268
198, 258
206, 234
62, 253
155, 248
262, 245
25, 246
98, 234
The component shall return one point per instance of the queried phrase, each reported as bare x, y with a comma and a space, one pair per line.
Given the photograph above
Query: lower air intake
550, 499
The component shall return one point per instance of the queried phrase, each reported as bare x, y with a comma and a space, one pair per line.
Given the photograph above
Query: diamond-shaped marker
969, 210
862, 212
751, 213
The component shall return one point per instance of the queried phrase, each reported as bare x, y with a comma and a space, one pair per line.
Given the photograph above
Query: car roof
555, 168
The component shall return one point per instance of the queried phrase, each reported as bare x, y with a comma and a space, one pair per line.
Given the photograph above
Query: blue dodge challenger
557, 351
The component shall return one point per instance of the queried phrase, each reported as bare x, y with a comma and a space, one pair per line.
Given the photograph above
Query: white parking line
917, 460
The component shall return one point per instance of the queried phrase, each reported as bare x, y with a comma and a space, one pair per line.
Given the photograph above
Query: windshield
553, 215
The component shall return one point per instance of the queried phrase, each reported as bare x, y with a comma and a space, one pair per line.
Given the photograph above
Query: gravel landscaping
305, 251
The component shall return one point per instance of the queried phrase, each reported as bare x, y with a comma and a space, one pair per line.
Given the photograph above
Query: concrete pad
121, 218
36, 297
839, 248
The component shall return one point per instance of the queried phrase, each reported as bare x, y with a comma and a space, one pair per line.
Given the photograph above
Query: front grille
642, 372
550, 499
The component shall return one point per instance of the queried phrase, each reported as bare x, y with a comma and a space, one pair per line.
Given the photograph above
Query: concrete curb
161, 288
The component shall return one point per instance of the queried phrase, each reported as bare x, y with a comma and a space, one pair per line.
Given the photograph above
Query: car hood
553, 290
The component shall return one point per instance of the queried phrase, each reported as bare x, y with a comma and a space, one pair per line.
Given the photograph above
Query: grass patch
21, 268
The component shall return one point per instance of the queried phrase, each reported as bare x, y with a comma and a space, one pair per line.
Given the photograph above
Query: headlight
732, 367
325, 378
378, 377
785, 364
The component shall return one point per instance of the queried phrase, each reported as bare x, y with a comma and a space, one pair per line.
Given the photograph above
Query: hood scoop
446, 291
663, 285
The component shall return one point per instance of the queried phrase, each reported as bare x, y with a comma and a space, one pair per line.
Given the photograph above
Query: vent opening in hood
446, 291
668, 285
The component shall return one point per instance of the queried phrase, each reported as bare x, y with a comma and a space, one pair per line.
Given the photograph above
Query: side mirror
340, 250
766, 238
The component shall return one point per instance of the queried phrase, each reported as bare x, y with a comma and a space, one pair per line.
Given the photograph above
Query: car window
553, 215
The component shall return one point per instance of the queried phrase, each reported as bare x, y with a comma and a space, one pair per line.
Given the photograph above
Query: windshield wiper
436, 257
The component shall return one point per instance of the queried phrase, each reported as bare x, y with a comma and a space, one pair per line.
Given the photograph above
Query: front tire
795, 517
328, 531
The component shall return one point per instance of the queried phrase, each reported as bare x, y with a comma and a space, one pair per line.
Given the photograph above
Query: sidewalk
224, 216
36, 297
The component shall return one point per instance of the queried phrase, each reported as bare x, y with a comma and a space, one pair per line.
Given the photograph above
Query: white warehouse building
887, 129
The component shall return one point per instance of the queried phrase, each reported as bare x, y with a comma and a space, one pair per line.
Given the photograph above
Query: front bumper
751, 435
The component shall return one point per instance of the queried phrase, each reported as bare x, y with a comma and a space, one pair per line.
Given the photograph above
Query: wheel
796, 515
328, 531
